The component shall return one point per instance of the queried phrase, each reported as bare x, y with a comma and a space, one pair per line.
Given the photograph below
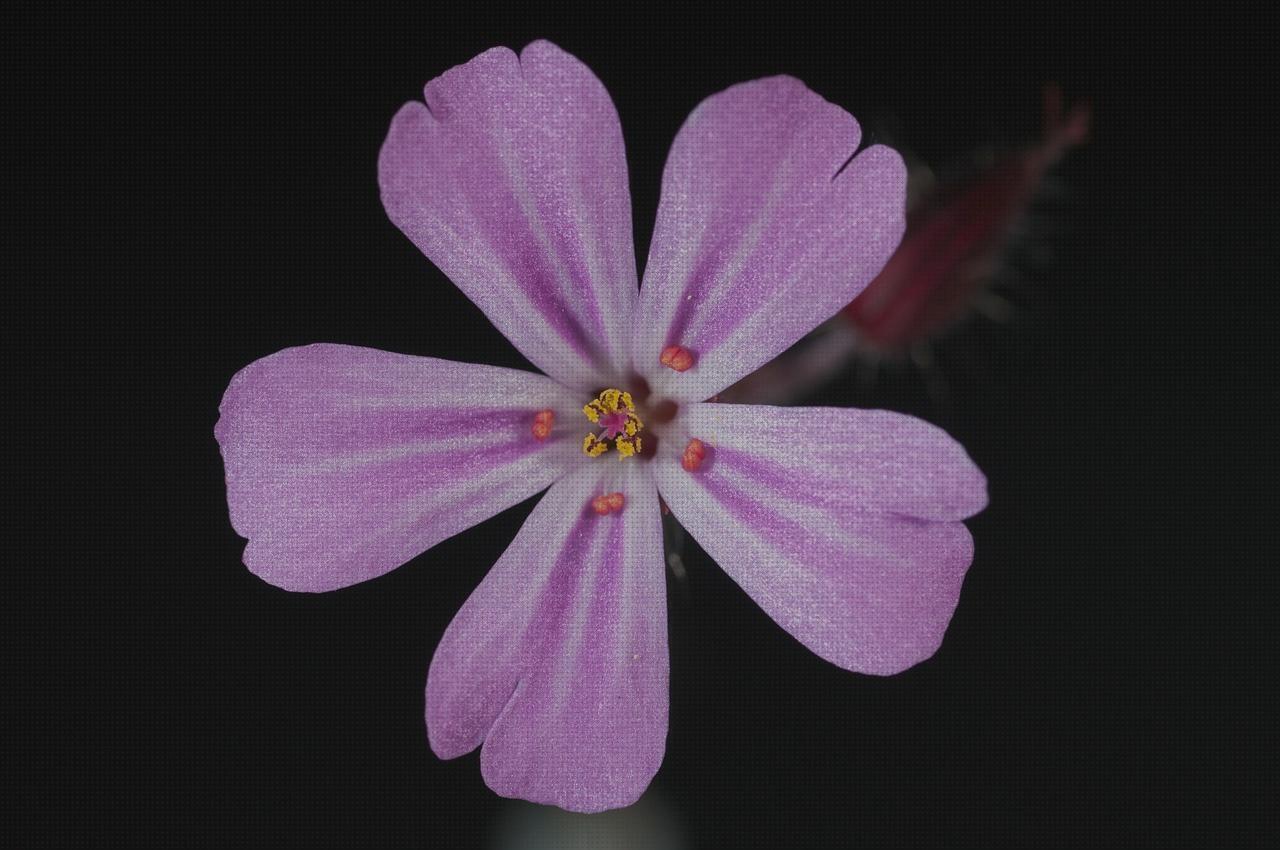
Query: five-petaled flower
343, 463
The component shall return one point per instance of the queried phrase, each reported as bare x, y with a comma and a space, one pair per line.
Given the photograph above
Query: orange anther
608, 504
676, 357
542, 423
694, 454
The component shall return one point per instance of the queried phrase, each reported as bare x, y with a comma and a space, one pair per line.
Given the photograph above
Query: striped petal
512, 179
343, 463
558, 662
765, 229
843, 525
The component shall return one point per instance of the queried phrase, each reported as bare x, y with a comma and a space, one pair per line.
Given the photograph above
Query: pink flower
343, 463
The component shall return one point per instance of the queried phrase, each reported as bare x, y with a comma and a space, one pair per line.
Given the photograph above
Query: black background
1103, 675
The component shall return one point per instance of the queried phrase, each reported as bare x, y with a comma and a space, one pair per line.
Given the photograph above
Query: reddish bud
956, 238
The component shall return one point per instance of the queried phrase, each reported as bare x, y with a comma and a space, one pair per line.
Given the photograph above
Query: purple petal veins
558, 662
760, 201
343, 463
512, 179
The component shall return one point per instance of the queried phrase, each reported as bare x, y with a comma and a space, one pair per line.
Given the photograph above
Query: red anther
676, 357
542, 423
608, 504
694, 454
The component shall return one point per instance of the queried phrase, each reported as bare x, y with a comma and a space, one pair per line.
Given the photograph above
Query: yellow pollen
614, 412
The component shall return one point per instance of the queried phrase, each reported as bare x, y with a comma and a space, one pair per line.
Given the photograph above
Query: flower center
615, 413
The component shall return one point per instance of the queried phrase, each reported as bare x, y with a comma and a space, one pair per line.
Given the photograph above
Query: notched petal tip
578, 805
463, 79
619, 781
959, 486
556, 666
511, 178
889, 166
453, 729
905, 647
291, 577
755, 244
540, 49
974, 487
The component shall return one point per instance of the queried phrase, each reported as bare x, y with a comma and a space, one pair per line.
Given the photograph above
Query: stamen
615, 412
542, 424
608, 504
694, 454
676, 357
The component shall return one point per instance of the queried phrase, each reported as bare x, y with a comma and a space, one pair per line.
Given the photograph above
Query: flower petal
839, 523
765, 229
850, 460
343, 463
512, 178
558, 661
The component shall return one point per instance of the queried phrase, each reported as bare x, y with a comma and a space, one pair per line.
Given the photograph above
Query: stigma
615, 414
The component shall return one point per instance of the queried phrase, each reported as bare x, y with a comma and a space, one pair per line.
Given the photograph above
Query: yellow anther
615, 413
